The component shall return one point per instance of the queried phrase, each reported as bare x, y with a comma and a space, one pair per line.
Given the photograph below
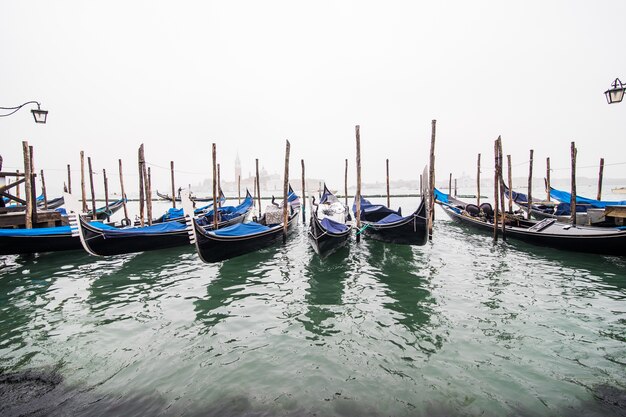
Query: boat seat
472, 210
487, 209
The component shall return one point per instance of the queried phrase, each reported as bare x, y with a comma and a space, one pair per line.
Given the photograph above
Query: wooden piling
219, 186
93, 192
148, 179
83, 189
303, 193
510, 182
258, 186
123, 193
173, 184
33, 183
496, 193
142, 196
43, 191
530, 183
455, 189
600, 179
450, 185
500, 182
431, 187
69, 179
573, 198
17, 187
478, 182
286, 193
548, 179
358, 182
215, 206
238, 189
106, 192
388, 197
345, 184
28, 214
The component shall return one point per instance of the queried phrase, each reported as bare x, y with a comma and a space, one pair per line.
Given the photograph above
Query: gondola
52, 204
105, 212
242, 238
329, 229
565, 197
103, 240
547, 232
200, 199
549, 209
381, 223
176, 214
43, 239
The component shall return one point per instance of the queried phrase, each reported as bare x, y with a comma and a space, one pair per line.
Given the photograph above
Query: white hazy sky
247, 75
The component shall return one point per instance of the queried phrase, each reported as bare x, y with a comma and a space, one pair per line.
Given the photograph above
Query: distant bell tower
237, 167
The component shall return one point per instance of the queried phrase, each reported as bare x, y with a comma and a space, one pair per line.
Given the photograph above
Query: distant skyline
249, 75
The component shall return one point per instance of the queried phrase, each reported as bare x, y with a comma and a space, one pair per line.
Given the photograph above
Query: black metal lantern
40, 115
615, 94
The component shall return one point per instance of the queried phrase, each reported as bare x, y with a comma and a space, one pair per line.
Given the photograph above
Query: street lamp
615, 94
39, 115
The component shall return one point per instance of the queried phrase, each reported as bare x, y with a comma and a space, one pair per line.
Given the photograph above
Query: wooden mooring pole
548, 179
94, 215
496, 193
219, 186
83, 189
106, 192
501, 188
238, 189
286, 193
573, 153
431, 186
358, 182
388, 197
28, 214
123, 193
33, 184
173, 184
510, 182
450, 185
215, 179
600, 179
530, 183
455, 189
43, 191
303, 193
478, 182
258, 187
345, 184
142, 196
69, 179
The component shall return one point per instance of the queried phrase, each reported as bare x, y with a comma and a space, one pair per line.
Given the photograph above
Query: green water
457, 327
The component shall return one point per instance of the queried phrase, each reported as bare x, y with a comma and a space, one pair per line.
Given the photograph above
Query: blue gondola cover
40, 231
566, 197
333, 226
113, 232
240, 229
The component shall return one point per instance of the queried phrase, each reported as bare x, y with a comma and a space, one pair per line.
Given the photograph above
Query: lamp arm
17, 108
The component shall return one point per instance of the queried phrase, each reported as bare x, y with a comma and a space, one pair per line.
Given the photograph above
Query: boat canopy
240, 229
392, 218
441, 196
374, 212
39, 231
333, 226
113, 232
566, 197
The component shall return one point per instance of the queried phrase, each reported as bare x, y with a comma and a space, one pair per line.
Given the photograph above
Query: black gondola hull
212, 248
610, 243
13, 245
412, 230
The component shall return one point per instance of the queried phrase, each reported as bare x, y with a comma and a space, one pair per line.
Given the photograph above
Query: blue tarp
41, 231
566, 197
241, 229
374, 212
333, 226
228, 212
113, 232
517, 197
441, 196
564, 209
392, 218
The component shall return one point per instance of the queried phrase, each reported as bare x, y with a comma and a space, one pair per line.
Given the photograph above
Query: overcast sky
247, 75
